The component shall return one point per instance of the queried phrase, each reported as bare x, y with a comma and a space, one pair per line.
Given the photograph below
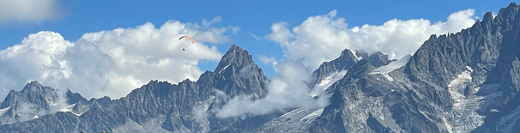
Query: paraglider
192, 41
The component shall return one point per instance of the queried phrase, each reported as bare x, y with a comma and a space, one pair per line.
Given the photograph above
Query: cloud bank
113, 62
322, 38
29, 10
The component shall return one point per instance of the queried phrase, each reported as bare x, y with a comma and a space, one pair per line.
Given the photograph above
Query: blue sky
77, 17
253, 17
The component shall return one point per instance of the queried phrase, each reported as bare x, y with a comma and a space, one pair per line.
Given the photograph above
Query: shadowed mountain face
461, 82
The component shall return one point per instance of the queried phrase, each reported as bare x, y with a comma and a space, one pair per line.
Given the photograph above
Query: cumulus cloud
29, 10
288, 89
38, 56
322, 38
110, 63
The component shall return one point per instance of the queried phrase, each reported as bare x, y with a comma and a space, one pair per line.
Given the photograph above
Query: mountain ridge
459, 82
172, 103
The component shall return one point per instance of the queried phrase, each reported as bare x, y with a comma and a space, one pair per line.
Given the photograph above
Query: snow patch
297, 120
460, 81
469, 69
208, 102
52, 104
312, 116
465, 116
354, 53
384, 70
327, 82
224, 68
447, 124
2, 111
68, 108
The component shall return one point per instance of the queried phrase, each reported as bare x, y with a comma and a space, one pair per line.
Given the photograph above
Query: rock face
459, 82
462, 82
378, 59
236, 74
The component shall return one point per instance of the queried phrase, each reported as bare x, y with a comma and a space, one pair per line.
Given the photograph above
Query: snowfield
384, 70
324, 84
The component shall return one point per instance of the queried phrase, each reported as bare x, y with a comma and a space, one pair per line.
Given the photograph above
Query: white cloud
322, 38
111, 62
37, 57
267, 60
255, 37
207, 23
201, 117
29, 10
288, 89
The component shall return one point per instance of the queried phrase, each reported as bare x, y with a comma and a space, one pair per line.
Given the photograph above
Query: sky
109, 48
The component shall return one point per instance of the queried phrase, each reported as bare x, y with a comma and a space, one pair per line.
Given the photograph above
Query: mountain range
457, 82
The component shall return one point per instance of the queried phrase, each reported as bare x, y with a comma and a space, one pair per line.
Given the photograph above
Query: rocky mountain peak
236, 74
488, 17
378, 59
35, 86
235, 57
34, 83
73, 97
33, 93
346, 60
347, 54
512, 5
34, 100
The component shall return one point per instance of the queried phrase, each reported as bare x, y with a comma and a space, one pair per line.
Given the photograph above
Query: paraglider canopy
192, 41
